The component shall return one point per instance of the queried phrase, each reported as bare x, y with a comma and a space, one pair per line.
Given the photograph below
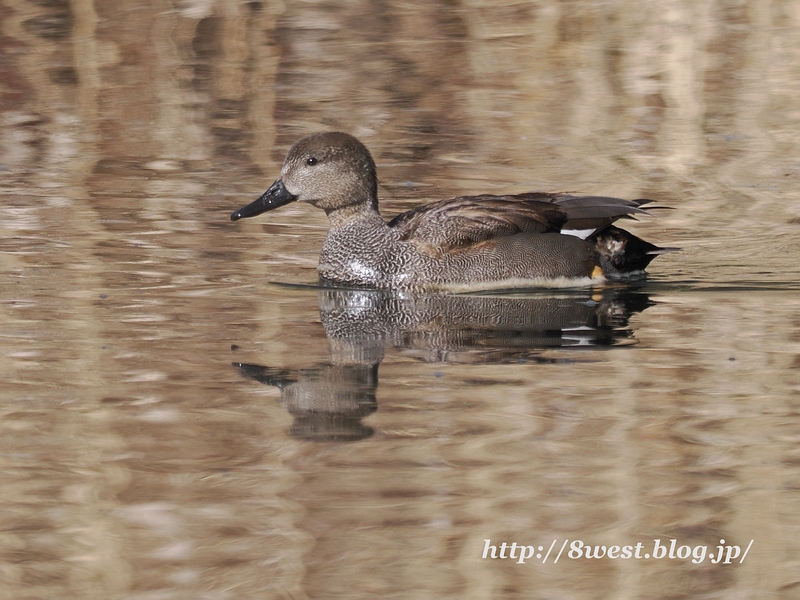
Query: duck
467, 243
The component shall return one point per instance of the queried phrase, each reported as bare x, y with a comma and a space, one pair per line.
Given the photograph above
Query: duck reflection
329, 402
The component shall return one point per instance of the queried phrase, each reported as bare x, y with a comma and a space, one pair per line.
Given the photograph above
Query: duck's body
471, 242
368, 251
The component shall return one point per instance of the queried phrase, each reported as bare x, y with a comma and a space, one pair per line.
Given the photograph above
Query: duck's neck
362, 213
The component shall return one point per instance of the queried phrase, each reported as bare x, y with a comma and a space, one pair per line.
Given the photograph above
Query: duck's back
458, 223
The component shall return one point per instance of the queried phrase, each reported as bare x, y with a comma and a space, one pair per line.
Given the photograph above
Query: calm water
185, 416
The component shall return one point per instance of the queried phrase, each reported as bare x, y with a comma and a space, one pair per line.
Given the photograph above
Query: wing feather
457, 223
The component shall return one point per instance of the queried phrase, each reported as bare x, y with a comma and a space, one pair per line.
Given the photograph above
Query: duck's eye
311, 161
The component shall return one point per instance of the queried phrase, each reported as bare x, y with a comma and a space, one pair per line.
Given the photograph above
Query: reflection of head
328, 403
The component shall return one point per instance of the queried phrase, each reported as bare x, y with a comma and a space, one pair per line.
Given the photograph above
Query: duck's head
329, 170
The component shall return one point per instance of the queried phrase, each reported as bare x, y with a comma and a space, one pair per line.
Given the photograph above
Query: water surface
185, 416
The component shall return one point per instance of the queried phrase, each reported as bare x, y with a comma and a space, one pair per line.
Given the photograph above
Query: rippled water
184, 415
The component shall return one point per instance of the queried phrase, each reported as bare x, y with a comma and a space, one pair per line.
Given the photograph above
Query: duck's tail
623, 255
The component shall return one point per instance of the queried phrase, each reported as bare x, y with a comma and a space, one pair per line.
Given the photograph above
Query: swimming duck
464, 243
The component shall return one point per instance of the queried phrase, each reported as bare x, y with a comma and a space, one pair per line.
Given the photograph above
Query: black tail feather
622, 254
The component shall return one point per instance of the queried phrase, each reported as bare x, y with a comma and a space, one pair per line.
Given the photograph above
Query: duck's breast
364, 255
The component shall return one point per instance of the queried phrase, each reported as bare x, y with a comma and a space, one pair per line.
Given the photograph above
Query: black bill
277, 195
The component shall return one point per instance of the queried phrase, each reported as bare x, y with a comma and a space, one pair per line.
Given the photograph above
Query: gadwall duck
465, 243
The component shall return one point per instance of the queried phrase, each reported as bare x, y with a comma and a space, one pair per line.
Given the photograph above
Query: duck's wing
461, 222
596, 212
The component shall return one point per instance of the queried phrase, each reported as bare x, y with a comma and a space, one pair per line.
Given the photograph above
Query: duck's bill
277, 195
